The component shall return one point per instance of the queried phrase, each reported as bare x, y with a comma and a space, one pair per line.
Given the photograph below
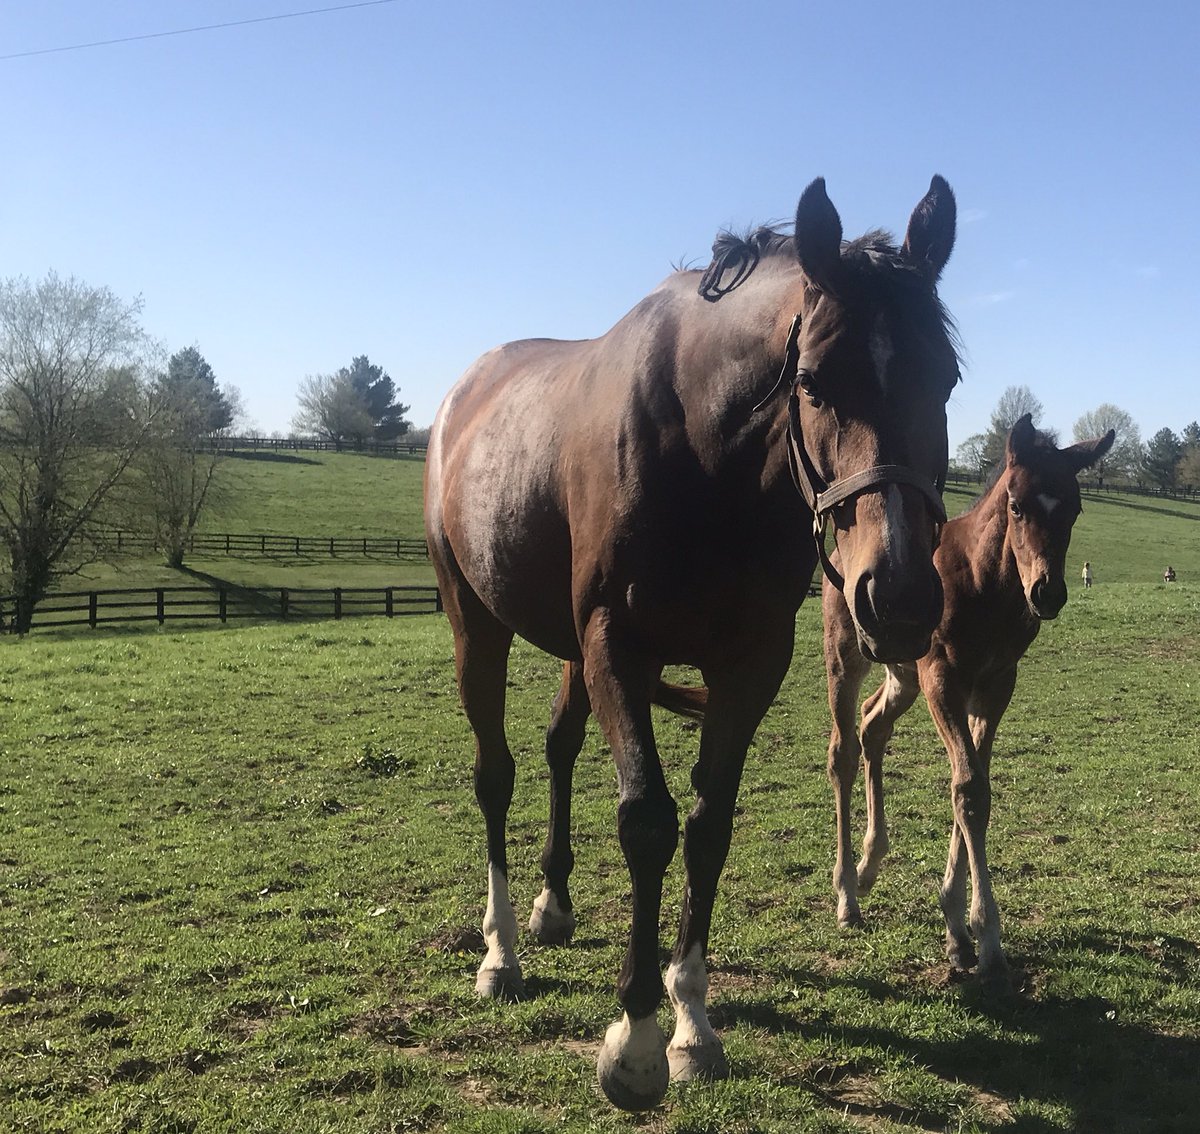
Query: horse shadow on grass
1116, 1076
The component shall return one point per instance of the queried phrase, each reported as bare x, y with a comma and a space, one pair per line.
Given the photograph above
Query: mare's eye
807, 382
1015, 508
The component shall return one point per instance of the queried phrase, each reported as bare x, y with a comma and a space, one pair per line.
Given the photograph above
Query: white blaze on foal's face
1048, 503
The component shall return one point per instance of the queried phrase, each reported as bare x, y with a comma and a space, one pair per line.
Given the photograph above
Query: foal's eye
1015, 508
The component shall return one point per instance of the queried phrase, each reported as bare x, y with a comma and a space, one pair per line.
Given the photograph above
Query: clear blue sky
420, 181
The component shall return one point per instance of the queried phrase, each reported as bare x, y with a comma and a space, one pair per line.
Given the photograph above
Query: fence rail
174, 604
243, 543
398, 448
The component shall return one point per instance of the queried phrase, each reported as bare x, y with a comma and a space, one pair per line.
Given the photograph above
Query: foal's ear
1020, 439
1087, 453
930, 237
818, 237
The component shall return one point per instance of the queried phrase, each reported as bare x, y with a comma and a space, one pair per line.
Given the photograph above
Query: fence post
437, 600
331, 545
337, 602
297, 545
283, 602
388, 608
226, 543
160, 599
263, 546
92, 602
364, 545
222, 604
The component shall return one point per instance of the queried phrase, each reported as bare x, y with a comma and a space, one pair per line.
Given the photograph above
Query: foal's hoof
632, 1068
698, 1061
549, 922
500, 984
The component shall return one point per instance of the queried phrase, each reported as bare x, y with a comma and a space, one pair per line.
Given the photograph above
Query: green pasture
318, 494
242, 877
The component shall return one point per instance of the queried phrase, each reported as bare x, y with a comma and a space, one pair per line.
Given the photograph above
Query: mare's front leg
845, 668
738, 698
553, 920
879, 715
632, 1067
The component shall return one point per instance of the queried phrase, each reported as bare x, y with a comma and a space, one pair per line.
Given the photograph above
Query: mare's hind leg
845, 668
737, 702
632, 1066
481, 645
553, 920
879, 715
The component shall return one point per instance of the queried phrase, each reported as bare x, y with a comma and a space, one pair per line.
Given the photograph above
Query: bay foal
1002, 567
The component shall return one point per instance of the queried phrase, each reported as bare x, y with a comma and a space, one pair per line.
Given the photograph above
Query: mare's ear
1020, 439
930, 237
1089, 452
819, 237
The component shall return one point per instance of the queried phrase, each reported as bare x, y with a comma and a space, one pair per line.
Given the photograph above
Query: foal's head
1043, 503
877, 363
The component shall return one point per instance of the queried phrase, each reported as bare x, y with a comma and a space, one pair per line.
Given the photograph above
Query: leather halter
821, 496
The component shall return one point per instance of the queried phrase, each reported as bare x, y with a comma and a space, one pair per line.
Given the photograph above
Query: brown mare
1002, 568
626, 503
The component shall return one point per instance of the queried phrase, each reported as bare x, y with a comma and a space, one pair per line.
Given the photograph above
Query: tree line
101, 430
1167, 461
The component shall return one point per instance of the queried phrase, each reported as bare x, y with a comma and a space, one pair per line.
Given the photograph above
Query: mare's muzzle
1047, 597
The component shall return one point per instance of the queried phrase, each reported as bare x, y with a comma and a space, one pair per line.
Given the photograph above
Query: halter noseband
819, 495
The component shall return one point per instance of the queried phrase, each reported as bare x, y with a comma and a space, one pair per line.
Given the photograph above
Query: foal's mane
1041, 442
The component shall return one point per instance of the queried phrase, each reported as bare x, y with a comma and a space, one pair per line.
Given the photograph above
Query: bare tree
1125, 456
969, 454
1014, 403
72, 417
331, 407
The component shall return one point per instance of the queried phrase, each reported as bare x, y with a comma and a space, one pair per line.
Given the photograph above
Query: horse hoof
699, 1061
851, 919
632, 1068
549, 922
995, 979
962, 958
500, 984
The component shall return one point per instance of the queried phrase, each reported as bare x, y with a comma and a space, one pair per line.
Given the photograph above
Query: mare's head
1043, 503
876, 364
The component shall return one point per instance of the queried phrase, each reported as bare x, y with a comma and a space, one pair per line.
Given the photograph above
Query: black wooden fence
247, 543
221, 604
397, 448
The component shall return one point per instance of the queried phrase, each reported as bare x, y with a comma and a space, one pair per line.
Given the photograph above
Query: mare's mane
876, 262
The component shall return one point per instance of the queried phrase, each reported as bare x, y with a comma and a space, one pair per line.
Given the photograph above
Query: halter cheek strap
819, 495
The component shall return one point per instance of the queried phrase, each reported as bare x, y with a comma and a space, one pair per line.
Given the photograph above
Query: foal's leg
737, 701
968, 738
845, 668
880, 712
481, 646
632, 1067
988, 705
553, 920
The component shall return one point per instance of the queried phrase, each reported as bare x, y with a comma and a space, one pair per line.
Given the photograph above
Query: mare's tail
682, 700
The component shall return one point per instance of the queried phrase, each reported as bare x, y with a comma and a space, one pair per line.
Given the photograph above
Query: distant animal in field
650, 498
1002, 565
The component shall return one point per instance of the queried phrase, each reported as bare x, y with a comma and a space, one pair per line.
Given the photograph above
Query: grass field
242, 875
242, 878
